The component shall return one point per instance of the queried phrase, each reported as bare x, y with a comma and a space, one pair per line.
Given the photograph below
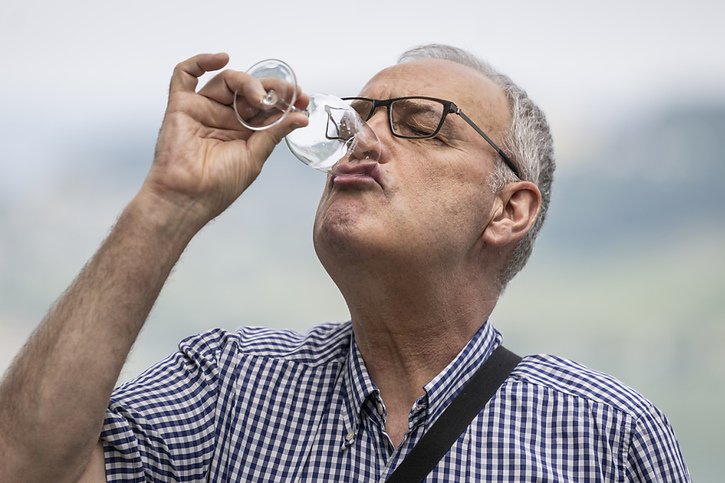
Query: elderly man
421, 243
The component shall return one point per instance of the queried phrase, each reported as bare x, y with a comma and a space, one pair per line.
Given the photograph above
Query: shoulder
571, 379
568, 398
322, 344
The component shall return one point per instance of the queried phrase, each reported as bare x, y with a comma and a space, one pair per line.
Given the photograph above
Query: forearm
53, 397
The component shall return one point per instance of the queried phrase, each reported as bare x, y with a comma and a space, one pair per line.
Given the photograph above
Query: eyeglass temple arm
501, 153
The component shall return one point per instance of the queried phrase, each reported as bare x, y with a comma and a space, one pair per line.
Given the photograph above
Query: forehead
471, 90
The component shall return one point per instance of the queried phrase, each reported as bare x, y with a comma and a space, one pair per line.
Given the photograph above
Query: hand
204, 157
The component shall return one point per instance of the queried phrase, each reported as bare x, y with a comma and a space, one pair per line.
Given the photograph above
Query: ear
513, 213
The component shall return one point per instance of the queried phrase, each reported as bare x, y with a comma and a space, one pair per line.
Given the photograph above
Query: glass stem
272, 99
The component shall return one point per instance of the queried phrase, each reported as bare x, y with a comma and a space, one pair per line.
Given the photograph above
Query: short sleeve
654, 454
160, 426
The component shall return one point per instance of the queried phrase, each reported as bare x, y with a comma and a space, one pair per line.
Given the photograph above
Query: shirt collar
358, 386
443, 388
439, 392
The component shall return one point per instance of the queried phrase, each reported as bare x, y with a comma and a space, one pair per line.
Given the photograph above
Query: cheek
457, 189
462, 203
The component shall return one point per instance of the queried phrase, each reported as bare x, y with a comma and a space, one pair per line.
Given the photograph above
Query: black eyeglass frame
449, 107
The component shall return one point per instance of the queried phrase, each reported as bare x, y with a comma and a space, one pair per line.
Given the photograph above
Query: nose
379, 121
366, 144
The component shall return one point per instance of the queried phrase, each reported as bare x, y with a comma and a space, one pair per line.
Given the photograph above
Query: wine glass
334, 131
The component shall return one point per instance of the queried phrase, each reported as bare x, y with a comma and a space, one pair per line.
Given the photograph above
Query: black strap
455, 419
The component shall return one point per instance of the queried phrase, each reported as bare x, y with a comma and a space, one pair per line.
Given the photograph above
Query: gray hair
528, 141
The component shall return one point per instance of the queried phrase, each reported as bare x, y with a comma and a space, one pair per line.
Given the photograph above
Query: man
421, 244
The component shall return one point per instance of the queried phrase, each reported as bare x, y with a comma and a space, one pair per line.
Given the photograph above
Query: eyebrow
408, 104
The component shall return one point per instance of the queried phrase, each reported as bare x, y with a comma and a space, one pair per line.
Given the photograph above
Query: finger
228, 84
262, 103
186, 74
224, 86
279, 97
246, 95
303, 99
261, 143
267, 93
215, 115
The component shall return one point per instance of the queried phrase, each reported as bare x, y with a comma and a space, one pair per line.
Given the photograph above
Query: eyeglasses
420, 117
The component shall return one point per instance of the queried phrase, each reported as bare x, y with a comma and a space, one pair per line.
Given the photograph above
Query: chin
344, 237
335, 232
350, 226
340, 217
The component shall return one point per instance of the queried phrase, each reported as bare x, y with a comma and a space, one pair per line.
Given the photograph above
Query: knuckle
178, 68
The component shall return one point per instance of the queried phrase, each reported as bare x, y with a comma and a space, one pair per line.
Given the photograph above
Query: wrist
175, 222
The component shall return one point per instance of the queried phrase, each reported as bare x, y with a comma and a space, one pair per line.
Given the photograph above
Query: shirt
268, 405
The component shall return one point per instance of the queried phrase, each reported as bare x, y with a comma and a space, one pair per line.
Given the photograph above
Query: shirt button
350, 436
380, 409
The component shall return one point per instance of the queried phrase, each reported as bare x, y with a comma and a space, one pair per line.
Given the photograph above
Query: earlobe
514, 213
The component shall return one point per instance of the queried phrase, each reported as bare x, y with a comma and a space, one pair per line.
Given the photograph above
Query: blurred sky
83, 92
74, 62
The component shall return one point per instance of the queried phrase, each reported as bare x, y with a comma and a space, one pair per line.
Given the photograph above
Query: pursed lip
356, 173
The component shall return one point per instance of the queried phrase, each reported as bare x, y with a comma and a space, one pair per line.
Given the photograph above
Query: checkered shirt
276, 406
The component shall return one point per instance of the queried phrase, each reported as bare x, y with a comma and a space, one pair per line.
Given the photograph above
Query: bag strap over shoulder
455, 419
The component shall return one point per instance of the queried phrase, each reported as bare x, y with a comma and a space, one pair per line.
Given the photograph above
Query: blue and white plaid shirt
276, 406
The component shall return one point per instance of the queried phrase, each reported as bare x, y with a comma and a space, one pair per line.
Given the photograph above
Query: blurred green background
627, 276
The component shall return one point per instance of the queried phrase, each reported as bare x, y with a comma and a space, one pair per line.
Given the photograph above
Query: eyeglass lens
410, 118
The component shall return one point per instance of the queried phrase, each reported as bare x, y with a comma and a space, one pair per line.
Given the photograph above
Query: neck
410, 327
